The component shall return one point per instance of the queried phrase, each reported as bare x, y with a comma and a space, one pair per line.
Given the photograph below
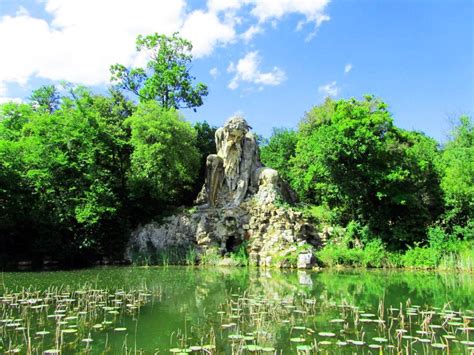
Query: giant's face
236, 128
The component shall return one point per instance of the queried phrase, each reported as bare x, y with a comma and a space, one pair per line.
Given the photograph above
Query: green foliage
241, 256
205, 143
205, 139
320, 214
13, 117
421, 258
279, 151
165, 160
374, 254
210, 257
46, 99
357, 233
317, 116
442, 251
333, 255
456, 168
165, 257
76, 178
462, 260
355, 247
72, 170
166, 78
352, 159
191, 257
15, 195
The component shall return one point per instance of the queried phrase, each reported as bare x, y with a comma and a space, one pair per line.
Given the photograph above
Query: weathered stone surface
240, 202
305, 261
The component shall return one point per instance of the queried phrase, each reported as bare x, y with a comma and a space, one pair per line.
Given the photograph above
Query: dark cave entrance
231, 244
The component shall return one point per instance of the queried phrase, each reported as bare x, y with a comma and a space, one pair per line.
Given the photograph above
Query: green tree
279, 151
13, 117
167, 77
67, 169
63, 177
205, 144
165, 160
16, 197
317, 116
352, 159
456, 168
112, 112
45, 98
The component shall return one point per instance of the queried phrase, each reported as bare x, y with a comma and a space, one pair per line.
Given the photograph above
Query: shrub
334, 255
462, 259
210, 257
241, 256
374, 254
421, 257
393, 260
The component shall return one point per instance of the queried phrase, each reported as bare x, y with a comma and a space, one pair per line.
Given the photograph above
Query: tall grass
450, 255
165, 257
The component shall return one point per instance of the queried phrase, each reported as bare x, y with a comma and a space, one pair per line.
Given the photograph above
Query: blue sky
270, 60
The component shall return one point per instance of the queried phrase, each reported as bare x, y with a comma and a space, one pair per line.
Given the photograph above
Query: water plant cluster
299, 325
60, 320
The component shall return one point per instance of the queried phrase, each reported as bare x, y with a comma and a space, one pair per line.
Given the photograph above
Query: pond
235, 310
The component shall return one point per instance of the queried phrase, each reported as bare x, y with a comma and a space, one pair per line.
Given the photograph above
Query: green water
182, 310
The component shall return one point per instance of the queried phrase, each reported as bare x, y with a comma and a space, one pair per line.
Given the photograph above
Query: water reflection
190, 298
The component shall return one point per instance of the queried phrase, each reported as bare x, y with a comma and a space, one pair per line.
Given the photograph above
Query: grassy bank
375, 255
449, 256
189, 256
441, 252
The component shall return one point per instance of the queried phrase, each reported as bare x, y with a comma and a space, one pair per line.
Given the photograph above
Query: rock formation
241, 203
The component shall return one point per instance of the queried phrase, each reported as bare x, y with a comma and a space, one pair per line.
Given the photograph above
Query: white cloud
311, 35
205, 31
272, 10
347, 68
223, 5
248, 70
214, 72
84, 37
313, 10
250, 33
329, 89
22, 11
231, 67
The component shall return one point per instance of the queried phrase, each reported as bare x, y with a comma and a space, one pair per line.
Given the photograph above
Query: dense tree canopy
350, 158
74, 180
206, 145
165, 160
456, 168
280, 150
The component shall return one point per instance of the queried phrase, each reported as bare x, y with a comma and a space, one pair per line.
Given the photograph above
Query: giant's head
236, 127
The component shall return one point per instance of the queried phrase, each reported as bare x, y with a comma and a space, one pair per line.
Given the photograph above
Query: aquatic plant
61, 319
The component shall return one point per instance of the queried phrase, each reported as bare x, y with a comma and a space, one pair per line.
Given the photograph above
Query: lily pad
297, 340
304, 348
253, 348
327, 334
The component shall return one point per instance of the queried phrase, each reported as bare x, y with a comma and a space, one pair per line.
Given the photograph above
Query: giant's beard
232, 158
